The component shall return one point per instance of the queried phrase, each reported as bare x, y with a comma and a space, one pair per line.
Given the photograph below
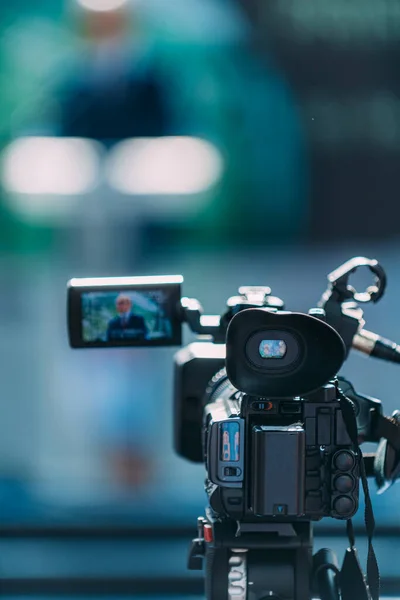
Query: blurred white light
102, 5
47, 165
164, 166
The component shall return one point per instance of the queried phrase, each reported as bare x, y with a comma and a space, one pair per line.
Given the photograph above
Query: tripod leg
325, 575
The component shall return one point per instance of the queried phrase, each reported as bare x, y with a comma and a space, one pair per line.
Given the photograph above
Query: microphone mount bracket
340, 300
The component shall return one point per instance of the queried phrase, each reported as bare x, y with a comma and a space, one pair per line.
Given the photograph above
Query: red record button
208, 533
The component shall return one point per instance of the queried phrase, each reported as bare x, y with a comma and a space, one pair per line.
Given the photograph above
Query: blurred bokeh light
45, 165
168, 165
102, 5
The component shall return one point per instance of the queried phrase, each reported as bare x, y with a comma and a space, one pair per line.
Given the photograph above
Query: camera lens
273, 350
281, 355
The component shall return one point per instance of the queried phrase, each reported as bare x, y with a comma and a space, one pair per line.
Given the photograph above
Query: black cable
377, 346
349, 416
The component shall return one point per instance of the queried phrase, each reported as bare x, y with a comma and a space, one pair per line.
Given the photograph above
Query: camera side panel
194, 367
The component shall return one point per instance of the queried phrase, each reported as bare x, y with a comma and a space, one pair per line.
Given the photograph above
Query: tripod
272, 561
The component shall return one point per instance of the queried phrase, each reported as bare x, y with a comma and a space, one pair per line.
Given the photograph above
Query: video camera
259, 401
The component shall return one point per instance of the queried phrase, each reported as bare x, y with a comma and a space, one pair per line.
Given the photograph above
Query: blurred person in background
115, 90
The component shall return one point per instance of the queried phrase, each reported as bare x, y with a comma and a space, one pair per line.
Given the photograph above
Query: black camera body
281, 459
273, 437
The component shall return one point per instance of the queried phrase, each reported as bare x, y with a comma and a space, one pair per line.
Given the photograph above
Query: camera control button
344, 460
232, 472
344, 483
234, 500
344, 506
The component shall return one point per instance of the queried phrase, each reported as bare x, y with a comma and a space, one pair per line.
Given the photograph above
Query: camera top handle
339, 303
216, 326
340, 300
339, 281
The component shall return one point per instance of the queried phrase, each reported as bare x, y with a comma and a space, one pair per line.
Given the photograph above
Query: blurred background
235, 142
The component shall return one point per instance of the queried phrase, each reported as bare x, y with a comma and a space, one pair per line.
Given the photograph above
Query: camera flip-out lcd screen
137, 312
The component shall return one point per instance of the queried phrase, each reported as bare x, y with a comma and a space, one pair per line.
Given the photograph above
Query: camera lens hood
314, 353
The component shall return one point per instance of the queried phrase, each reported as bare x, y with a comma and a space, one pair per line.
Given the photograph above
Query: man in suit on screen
126, 325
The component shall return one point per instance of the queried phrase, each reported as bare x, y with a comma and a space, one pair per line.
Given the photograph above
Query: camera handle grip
339, 280
340, 300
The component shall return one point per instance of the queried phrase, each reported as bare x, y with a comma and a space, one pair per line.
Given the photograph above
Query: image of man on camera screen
126, 324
